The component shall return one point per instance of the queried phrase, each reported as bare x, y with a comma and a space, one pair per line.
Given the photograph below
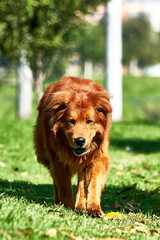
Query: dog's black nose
80, 141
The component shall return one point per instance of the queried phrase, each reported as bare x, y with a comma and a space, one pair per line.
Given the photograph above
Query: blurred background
43, 40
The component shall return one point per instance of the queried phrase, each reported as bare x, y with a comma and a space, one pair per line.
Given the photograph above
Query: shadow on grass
137, 145
126, 198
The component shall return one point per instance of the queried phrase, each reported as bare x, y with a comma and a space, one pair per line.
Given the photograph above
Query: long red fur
69, 109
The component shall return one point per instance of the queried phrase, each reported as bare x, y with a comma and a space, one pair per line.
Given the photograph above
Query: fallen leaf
51, 216
51, 210
6, 235
52, 232
128, 148
139, 224
153, 231
131, 214
27, 233
134, 170
114, 215
118, 167
140, 215
140, 227
71, 236
117, 205
2, 164
122, 231
67, 229
24, 174
138, 175
110, 238
119, 173
19, 234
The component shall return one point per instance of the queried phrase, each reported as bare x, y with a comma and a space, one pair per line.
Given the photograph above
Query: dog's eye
72, 121
89, 121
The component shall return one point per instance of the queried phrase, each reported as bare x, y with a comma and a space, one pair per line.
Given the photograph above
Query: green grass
27, 209
141, 98
26, 192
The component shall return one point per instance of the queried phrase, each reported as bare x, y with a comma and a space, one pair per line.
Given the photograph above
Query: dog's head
81, 119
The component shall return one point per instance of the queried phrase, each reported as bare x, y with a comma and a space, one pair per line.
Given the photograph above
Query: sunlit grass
132, 188
27, 209
141, 98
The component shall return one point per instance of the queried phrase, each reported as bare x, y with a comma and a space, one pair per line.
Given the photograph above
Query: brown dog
72, 136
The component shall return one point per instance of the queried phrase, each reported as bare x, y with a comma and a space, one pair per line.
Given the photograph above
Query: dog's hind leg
95, 181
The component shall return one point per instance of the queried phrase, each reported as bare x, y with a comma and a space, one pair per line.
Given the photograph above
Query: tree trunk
114, 56
88, 69
25, 80
39, 76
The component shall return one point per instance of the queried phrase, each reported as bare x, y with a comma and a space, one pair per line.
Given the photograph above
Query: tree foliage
92, 43
139, 41
43, 28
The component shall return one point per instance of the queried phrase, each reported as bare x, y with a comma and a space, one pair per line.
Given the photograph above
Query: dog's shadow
126, 198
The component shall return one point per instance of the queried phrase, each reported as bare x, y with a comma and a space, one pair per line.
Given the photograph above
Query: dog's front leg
80, 203
62, 184
95, 176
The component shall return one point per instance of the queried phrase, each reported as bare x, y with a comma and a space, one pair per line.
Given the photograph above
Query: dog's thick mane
70, 88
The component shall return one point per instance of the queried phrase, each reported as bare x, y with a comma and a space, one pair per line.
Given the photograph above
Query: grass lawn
141, 98
26, 192
130, 200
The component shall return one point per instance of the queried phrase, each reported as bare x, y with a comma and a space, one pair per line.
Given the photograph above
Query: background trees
43, 28
140, 42
92, 43
46, 29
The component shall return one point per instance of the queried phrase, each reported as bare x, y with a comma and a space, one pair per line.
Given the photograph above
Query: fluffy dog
72, 137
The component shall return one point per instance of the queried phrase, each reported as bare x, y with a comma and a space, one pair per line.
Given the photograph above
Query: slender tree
114, 56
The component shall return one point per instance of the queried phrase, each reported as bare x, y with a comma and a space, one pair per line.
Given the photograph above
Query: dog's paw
80, 208
95, 210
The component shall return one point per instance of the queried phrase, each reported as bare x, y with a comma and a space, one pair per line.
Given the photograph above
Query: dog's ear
102, 101
56, 108
57, 99
58, 104
103, 108
101, 111
59, 110
60, 107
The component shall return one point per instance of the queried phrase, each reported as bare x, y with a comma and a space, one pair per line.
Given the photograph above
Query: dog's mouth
79, 151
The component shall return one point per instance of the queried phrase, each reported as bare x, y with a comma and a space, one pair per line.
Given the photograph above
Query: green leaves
38, 24
140, 41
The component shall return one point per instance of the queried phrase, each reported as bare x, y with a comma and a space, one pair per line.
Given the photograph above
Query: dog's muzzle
79, 150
